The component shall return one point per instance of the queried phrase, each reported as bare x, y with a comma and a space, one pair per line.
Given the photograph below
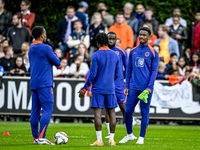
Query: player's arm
91, 77
52, 57
117, 70
154, 66
128, 74
125, 59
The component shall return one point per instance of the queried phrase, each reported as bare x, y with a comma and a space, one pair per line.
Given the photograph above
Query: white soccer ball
60, 138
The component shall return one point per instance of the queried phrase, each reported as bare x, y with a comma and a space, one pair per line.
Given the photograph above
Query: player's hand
148, 90
81, 94
126, 91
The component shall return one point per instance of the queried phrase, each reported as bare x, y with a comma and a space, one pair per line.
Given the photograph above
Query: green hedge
50, 12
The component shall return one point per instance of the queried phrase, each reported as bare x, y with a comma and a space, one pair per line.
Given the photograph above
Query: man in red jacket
27, 17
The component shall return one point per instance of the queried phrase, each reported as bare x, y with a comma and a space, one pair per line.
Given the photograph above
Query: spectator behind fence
173, 59
76, 37
153, 37
195, 60
176, 11
26, 61
65, 28
63, 69
3, 44
7, 61
17, 34
161, 71
130, 19
25, 47
166, 43
118, 42
82, 15
78, 68
175, 78
5, 18
139, 12
19, 68
107, 19
149, 18
179, 33
194, 34
183, 67
123, 31
58, 52
157, 48
94, 29
28, 17
82, 50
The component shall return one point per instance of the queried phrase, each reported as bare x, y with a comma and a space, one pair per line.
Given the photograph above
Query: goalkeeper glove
144, 96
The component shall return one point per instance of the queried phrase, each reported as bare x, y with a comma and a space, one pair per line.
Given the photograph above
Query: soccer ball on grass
60, 138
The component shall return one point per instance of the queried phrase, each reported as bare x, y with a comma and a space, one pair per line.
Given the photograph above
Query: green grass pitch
82, 135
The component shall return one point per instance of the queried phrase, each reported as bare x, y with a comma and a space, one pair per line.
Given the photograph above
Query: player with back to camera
119, 83
141, 74
41, 57
103, 73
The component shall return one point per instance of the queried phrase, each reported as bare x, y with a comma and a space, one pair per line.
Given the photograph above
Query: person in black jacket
150, 19
17, 34
65, 28
179, 33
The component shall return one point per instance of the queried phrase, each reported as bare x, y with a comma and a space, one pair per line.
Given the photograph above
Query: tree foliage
50, 12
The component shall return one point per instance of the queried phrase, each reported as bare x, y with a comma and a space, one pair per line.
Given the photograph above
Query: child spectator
157, 48
78, 68
3, 44
77, 36
19, 68
118, 42
173, 58
161, 71
174, 77
187, 55
195, 59
82, 50
7, 61
94, 29
25, 47
183, 67
63, 69
58, 51
153, 37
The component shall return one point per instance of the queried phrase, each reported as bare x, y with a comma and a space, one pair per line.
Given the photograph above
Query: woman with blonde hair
82, 50
25, 47
153, 37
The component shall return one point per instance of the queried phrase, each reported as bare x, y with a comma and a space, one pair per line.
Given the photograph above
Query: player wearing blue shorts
41, 59
119, 83
103, 73
141, 73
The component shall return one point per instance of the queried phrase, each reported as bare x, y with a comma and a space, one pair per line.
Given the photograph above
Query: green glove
143, 96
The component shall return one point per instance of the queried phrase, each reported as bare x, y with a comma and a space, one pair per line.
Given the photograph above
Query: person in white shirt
176, 11
63, 69
78, 68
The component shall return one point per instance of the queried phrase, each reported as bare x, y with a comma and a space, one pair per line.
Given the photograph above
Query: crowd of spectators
179, 50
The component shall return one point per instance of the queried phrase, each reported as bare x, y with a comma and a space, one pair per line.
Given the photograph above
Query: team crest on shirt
117, 52
51, 90
147, 54
139, 62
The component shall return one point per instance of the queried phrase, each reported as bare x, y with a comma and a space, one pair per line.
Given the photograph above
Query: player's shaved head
37, 31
